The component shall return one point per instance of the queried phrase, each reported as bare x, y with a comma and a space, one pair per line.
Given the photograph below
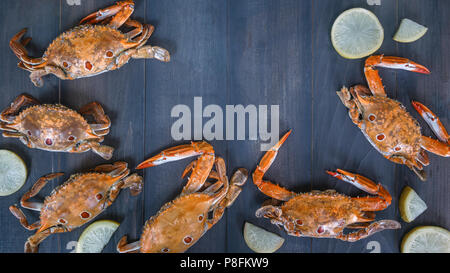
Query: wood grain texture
253, 52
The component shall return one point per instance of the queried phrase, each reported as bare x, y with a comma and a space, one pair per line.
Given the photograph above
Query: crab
386, 123
182, 222
323, 214
95, 46
56, 128
79, 200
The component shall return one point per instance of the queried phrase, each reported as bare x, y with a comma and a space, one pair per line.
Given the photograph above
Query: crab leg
106, 152
152, 52
96, 110
37, 187
382, 201
19, 48
347, 99
435, 146
432, 121
37, 74
115, 169
267, 187
33, 242
13, 135
123, 247
23, 220
235, 188
374, 79
202, 167
121, 11
135, 32
8, 115
134, 182
225, 197
370, 230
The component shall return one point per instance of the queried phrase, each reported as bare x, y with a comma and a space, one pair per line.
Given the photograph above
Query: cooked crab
94, 47
182, 222
323, 214
386, 123
76, 202
56, 128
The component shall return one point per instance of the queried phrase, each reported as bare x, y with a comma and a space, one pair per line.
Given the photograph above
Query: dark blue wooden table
251, 52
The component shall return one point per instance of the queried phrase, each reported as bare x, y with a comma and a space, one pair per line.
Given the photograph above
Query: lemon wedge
409, 31
357, 33
260, 240
13, 172
411, 205
426, 239
95, 237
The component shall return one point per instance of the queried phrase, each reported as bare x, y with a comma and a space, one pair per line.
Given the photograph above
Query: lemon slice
260, 240
357, 33
13, 172
411, 205
95, 237
426, 239
409, 31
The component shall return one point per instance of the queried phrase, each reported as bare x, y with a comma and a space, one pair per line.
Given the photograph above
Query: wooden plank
337, 142
263, 52
432, 90
270, 64
42, 22
121, 94
195, 34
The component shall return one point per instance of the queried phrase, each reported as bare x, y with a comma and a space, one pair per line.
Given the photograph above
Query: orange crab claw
177, 153
362, 183
267, 187
432, 121
102, 14
396, 63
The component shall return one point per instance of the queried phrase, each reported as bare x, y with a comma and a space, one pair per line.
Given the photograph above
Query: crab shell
53, 127
182, 221
77, 201
389, 127
322, 214
88, 50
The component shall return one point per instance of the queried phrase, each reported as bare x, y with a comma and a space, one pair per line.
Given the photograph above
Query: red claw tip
331, 173
144, 165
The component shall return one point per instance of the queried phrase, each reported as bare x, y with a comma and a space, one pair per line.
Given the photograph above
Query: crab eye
109, 54
165, 250
71, 138
62, 221
85, 215
29, 132
48, 141
187, 240
299, 222
88, 65
380, 137
99, 196
65, 64
397, 149
372, 117
200, 218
